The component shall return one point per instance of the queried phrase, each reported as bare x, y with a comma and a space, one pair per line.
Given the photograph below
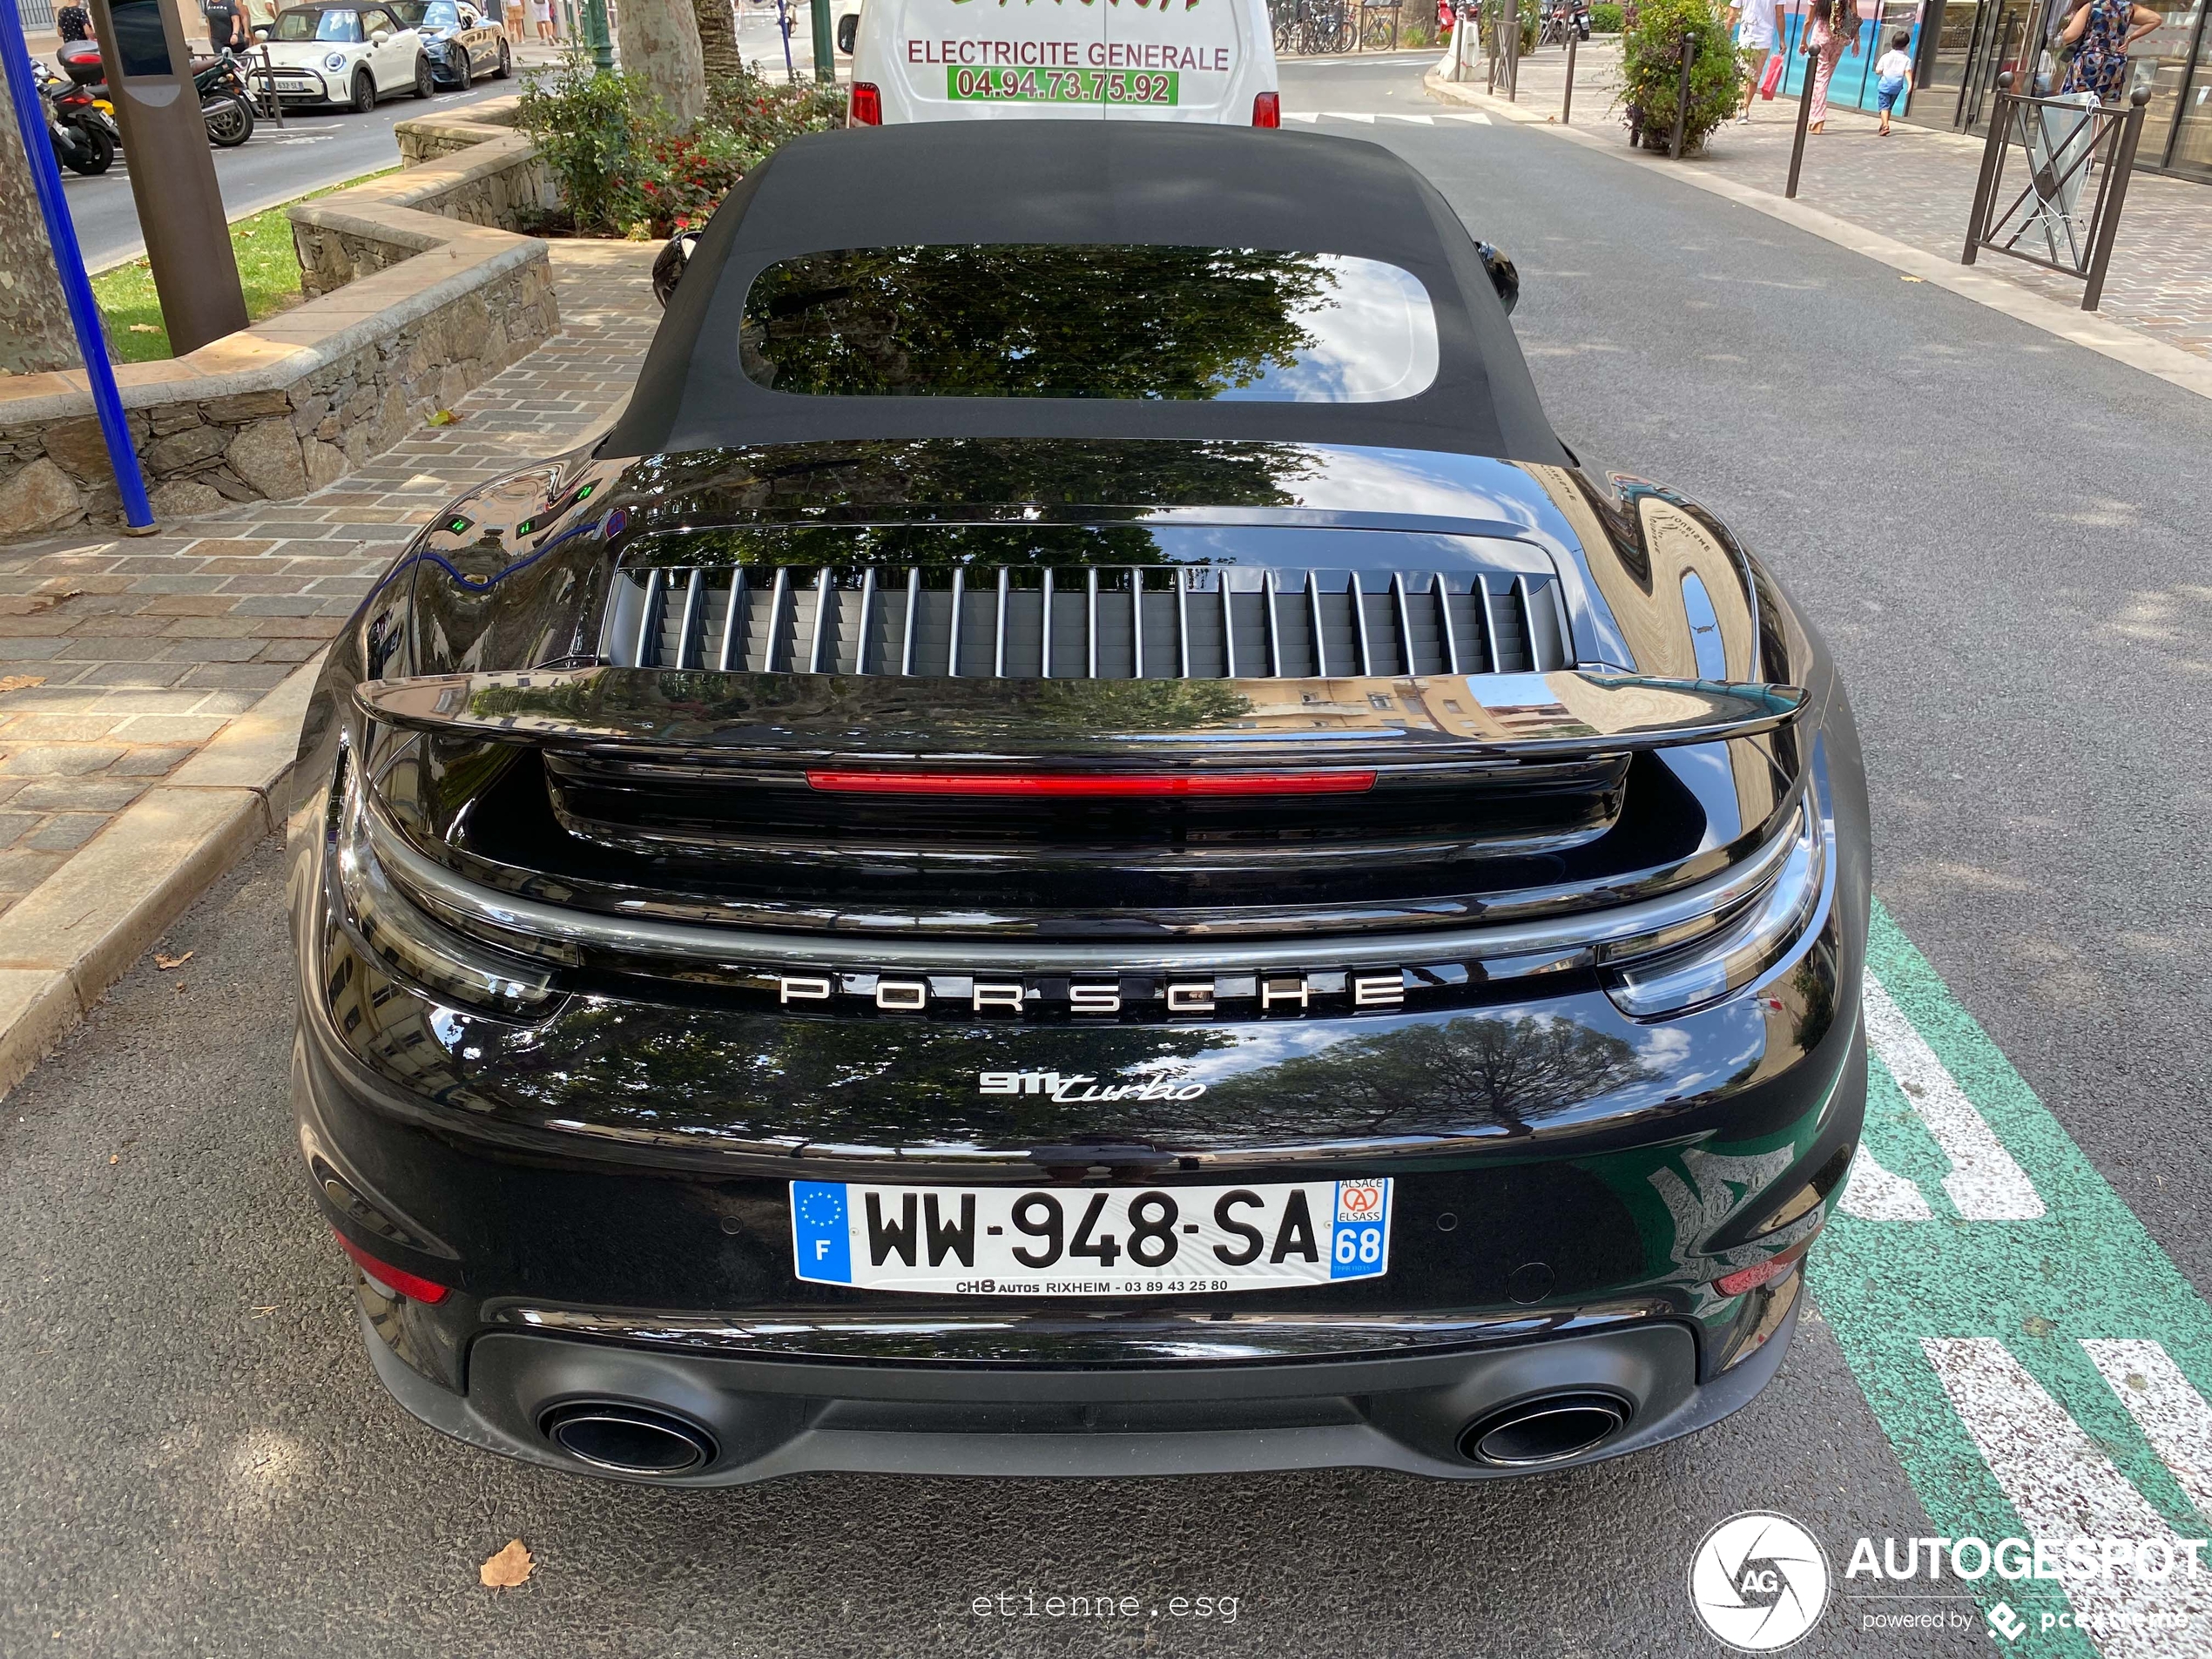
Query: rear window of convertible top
1076, 320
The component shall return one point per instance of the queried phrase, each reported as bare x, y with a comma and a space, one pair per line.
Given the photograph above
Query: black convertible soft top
1084, 182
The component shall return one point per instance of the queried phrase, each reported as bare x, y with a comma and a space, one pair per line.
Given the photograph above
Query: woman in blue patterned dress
2102, 32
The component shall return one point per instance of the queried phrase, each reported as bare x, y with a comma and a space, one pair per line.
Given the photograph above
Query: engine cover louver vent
1135, 622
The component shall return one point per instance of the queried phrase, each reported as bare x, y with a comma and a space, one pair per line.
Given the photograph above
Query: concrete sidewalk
1916, 186
150, 689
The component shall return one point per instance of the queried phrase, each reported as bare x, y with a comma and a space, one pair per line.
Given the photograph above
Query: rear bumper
766, 1418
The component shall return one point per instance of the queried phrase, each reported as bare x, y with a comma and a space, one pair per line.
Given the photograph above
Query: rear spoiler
701, 717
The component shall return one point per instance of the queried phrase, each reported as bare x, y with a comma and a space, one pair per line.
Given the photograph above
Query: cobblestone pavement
119, 657
1918, 185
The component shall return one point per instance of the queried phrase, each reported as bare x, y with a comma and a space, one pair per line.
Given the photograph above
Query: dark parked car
460, 42
1081, 846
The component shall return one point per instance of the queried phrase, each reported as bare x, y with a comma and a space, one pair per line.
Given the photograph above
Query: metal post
1567, 103
1681, 95
1491, 87
598, 34
1992, 149
69, 264
783, 28
2116, 193
1513, 51
1804, 119
825, 43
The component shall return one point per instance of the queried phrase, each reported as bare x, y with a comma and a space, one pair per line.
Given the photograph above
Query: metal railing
2063, 140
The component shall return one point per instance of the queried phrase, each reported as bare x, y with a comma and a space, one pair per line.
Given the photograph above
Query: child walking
1893, 77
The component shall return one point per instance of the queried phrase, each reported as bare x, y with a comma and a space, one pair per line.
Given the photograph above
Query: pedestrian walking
541, 19
73, 23
1892, 78
226, 25
1756, 37
2101, 33
1835, 25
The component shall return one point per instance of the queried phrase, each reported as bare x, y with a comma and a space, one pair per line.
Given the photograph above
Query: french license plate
1090, 1241
1161, 87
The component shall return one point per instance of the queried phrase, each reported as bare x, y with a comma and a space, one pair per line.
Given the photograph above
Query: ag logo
1759, 1581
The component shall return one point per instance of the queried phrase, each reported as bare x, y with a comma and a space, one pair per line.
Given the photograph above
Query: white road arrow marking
1984, 1182
2171, 1414
2064, 1488
1873, 1193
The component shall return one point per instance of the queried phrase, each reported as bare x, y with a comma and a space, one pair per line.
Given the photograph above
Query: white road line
1301, 115
1349, 115
2171, 1414
1471, 116
1873, 1193
1984, 1182
1417, 120
2064, 1488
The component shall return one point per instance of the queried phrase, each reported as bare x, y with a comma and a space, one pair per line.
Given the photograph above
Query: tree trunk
34, 332
660, 43
718, 38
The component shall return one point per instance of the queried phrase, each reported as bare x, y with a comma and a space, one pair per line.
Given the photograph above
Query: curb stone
76, 933
2123, 345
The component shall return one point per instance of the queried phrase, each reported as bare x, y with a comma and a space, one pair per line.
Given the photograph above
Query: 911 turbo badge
1081, 1086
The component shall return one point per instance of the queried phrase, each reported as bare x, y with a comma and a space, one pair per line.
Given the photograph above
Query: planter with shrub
1605, 19
625, 167
1651, 69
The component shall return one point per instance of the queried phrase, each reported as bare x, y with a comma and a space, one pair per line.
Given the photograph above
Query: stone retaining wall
422, 292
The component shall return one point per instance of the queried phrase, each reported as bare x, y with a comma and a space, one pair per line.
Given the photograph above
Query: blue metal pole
69, 262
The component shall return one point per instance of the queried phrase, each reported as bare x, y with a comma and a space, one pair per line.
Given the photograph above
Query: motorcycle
226, 105
1560, 16
83, 135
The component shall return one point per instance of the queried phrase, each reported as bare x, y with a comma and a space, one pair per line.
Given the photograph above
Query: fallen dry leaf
508, 1568
1907, 279
47, 600
20, 682
115, 1158
144, 328
165, 963
441, 417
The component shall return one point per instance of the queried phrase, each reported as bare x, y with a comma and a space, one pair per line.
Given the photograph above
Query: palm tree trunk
717, 39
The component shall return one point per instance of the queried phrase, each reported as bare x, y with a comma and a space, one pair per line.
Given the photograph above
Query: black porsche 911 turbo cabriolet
1080, 845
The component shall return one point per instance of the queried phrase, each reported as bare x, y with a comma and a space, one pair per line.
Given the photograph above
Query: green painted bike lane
2085, 1269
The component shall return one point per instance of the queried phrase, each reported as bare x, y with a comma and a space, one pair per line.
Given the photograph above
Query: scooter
224, 103
83, 138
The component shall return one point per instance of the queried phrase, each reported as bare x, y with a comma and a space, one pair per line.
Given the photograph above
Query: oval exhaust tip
627, 1440
1549, 1429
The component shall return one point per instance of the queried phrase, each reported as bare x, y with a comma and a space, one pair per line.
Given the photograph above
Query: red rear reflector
1267, 110
1121, 786
867, 107
1749, 1278
411, 1286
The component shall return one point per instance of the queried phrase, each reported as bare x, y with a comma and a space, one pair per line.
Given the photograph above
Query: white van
968, 60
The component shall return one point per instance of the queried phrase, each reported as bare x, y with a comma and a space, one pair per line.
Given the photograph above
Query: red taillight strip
1076, 786
411, 1286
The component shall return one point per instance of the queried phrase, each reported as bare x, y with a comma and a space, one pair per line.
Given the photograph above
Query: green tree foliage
1606, 18
1030, 321
1651, 67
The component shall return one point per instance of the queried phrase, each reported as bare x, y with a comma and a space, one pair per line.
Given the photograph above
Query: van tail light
866, 108
1267, 110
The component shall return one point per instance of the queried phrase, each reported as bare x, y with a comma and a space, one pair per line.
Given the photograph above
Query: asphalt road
315, 147
1999, 533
